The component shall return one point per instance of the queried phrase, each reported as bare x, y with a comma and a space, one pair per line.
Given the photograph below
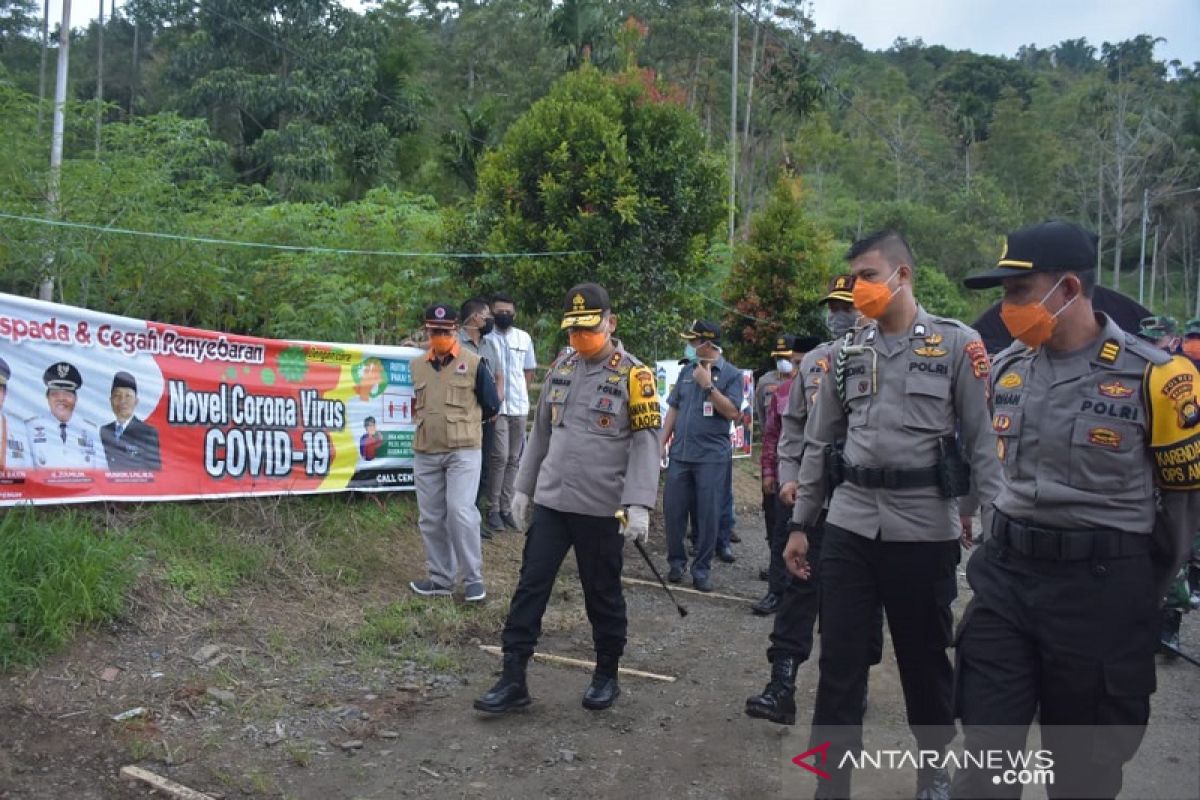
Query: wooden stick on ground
160, 783
579, 662
717, 595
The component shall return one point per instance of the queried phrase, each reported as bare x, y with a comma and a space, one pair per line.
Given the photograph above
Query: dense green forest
596, 131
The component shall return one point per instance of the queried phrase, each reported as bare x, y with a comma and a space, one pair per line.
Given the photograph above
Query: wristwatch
707, 390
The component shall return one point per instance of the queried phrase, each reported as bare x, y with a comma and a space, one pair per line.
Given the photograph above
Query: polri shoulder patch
980, 366
1170, 391
644, 411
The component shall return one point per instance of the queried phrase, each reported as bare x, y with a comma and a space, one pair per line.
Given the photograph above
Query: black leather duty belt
1057, 544
881, 478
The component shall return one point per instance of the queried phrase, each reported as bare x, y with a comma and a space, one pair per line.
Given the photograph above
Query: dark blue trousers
701, 489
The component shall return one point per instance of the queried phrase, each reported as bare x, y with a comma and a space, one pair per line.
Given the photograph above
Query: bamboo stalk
160, 783
583, 664
717, 595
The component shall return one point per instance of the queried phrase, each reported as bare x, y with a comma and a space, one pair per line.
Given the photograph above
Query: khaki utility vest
446, 411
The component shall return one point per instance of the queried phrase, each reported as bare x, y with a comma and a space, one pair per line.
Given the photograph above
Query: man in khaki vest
453, 393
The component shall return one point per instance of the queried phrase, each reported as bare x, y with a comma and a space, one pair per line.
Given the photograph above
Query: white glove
520, 510
638, 528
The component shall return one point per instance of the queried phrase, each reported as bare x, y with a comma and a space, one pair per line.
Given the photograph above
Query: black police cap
441, 315
1046, 247
584, 306
62, 375
802, 344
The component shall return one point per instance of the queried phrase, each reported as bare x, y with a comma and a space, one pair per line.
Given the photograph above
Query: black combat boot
603, 691
777, 702
510, 691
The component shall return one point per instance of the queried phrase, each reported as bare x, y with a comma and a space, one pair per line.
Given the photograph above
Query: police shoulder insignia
980, 366
644, 411
1174, 423
614, 361
1109, 352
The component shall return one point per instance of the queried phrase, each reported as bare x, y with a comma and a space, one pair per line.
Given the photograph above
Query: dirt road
321, 726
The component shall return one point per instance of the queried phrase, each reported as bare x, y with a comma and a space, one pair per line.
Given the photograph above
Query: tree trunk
42, 68
99, 76
747, 145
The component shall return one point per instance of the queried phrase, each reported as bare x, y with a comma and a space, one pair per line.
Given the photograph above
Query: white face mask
784, 366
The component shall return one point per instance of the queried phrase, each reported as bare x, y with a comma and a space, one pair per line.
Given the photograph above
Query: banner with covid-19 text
101, 407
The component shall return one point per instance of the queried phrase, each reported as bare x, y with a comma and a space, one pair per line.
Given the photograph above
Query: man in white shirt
60, 439
517, 365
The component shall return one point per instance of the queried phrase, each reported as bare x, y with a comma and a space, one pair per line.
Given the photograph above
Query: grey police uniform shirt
584, 456
701, 438
764, 390
813, 368
925, 383
81, 450
1072, 435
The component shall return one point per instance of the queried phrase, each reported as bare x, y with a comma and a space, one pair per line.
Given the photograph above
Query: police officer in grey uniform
792, 633
593, 452
60, 439
1098, 434
899, 388
14, 448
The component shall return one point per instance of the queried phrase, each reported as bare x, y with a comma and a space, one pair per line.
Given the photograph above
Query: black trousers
915, 582
489, 441
792, 632
1070, 641
599, 555
777, 536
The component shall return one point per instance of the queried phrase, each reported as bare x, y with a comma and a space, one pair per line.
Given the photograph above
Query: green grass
65, 568
421, 630
58, 571
201, 558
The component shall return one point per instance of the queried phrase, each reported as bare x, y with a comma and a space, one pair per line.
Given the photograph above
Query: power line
178, 237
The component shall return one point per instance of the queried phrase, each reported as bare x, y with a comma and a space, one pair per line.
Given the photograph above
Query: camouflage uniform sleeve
791, 431
826, 424
645, 420
535, 448
975, 423
1170, 392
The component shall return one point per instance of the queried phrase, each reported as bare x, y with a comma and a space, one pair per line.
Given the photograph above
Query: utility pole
733, 149
46, 290
99, 77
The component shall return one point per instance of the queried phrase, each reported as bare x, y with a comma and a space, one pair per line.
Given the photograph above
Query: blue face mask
689, 353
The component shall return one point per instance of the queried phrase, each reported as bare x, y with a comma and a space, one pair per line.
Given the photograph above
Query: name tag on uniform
708, 409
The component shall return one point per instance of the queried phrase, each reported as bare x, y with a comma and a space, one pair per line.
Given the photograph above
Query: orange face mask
1032, 323
441, 345
1191, 349
871, 298
588, 343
